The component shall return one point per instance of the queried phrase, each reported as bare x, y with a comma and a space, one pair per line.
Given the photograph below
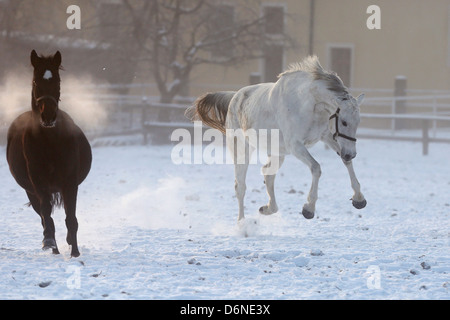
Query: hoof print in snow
316, 253
44, 284
193, 261
301, 261
425, 266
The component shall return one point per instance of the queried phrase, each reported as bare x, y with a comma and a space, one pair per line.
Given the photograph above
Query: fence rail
437, 105
426, 123
424, 138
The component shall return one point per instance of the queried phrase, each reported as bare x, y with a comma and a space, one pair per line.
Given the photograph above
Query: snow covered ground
150, 229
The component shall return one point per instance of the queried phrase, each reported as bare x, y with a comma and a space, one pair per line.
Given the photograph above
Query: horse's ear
360, 99
57, 59
34, 58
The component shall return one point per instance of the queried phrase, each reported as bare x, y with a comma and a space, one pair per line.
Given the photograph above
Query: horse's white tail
212, 109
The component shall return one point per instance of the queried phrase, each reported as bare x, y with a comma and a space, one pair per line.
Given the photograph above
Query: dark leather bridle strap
337, 133
47, 97
44, 97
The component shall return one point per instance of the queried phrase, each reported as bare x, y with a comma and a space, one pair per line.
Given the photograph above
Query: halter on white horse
337, 133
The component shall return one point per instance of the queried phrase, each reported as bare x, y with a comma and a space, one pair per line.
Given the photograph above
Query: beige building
413, 41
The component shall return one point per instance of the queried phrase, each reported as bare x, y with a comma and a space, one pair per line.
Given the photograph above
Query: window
273, 62
340, 61
221, 25
273, 19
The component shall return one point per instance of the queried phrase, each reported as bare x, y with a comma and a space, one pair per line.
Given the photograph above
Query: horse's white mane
312, 66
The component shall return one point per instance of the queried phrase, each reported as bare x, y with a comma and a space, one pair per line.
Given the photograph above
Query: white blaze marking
48, 75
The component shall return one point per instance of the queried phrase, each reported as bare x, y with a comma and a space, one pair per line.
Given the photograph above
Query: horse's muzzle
347, 156
48, 124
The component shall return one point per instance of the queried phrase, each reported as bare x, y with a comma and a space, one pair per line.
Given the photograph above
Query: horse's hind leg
240, 186
241, 152
43, 208
70, 203
269, 171
302, 154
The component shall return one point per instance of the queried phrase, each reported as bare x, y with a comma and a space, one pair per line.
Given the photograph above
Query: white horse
306, 104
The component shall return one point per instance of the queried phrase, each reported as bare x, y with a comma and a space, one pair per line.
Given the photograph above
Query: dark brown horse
48, 154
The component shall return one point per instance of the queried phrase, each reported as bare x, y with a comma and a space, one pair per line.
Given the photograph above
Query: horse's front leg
301, 153
70, 203
358, 199
43, 207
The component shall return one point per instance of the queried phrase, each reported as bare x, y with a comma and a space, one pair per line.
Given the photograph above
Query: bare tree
41, 25
176, 36
173, 37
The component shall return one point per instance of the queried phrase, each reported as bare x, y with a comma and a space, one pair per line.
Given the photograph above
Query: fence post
144, 119
425, 137
435, 113
400, 104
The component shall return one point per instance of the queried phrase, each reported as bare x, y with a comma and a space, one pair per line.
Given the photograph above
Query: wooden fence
140, 115
425, 122
161, 131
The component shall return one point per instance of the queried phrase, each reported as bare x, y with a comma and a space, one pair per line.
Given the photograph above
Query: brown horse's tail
56, 201
212, 109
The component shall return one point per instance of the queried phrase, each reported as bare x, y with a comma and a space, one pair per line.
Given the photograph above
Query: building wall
413, 42
296, 23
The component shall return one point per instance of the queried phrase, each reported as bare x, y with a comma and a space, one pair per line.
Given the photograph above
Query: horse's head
346, 121
46, 87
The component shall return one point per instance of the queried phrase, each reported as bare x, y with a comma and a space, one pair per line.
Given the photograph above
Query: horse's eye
344, 123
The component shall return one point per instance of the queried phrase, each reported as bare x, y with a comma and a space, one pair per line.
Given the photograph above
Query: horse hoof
74, 253
49, 244
359, 204
266, 211
307, 214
